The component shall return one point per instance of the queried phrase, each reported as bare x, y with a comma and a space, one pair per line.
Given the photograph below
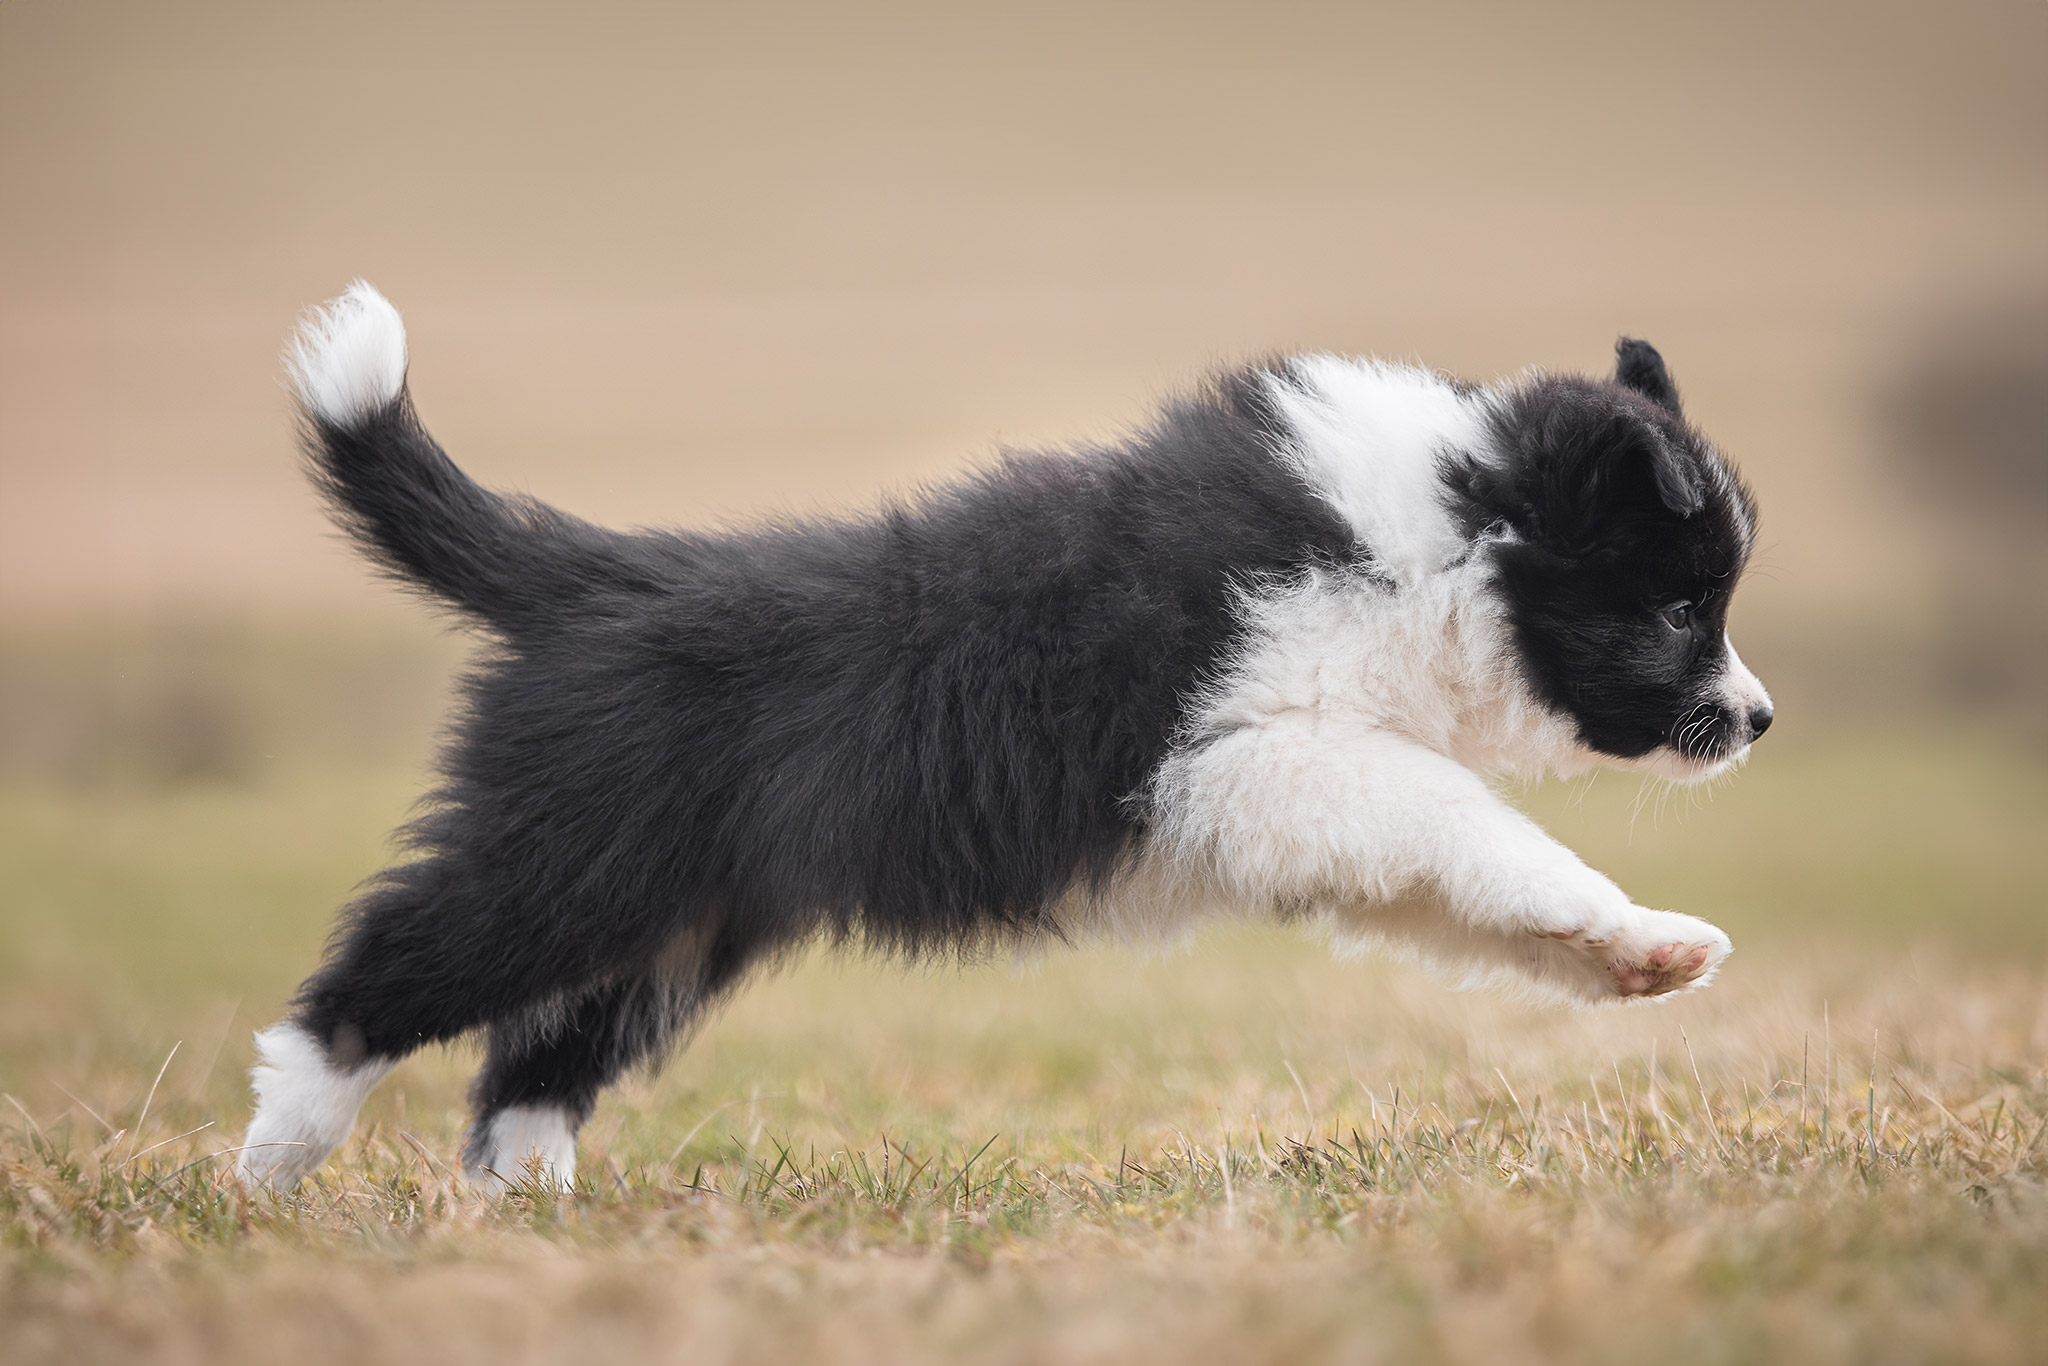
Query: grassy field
1242, 1151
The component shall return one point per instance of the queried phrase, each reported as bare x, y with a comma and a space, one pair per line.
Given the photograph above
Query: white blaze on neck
1368, 436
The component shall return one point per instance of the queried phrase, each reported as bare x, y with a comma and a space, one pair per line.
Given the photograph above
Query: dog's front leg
1408, 848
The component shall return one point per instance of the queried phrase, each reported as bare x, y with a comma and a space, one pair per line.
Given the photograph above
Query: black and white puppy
1261, 658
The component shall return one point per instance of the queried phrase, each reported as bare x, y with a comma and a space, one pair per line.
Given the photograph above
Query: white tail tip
348, 359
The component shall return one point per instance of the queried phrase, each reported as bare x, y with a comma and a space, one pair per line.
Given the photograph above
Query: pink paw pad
1666, 967
1661, 952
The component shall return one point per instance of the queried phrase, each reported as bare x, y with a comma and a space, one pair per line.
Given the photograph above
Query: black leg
564, 1062
545, 1067
427, 956
543, 1072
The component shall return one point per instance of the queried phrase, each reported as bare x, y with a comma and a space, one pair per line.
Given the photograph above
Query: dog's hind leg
424, 957
544, 1070
307, 1095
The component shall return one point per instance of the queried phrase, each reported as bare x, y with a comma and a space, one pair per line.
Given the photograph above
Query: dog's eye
1677, 615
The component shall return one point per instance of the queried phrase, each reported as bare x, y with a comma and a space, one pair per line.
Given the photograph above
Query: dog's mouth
1704, 743
1676, 766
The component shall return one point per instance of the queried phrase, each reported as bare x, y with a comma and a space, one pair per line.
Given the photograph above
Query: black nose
1760, 720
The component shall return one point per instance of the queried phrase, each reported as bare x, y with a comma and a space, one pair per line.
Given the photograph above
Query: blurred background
689, 264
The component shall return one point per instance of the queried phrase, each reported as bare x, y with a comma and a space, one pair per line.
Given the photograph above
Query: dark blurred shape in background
1971, 414
1967, 418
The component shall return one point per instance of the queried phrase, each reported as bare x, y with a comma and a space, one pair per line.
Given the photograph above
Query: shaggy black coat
922, 727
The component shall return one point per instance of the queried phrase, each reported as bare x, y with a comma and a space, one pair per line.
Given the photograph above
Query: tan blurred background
688, 263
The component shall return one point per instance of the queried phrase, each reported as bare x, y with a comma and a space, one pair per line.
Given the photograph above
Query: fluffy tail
512, 563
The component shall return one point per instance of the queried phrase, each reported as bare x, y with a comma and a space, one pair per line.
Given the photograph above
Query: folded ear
1572, 468
1676, 478
1637, 366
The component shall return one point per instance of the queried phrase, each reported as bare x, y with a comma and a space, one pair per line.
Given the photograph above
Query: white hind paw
522, 1143
305, 1106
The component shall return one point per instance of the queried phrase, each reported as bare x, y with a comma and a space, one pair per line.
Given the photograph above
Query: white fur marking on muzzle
1746, 692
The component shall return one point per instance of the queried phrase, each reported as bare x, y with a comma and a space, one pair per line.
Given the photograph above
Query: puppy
1260, 658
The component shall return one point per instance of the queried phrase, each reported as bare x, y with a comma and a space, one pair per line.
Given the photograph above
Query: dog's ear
1610, 465
1676, 479
1576, 475
1637, 366
1575, 468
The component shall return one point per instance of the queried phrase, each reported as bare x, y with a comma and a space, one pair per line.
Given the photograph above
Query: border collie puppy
1261, 657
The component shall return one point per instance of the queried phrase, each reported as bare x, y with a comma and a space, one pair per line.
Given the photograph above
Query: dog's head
1619, 535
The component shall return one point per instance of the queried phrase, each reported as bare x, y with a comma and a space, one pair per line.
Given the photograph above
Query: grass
1245, 1151
1244, 1154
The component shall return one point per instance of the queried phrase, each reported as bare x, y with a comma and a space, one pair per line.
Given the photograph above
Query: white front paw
1647, 953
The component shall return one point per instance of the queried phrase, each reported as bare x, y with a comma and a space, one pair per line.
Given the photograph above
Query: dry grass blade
143, 1117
